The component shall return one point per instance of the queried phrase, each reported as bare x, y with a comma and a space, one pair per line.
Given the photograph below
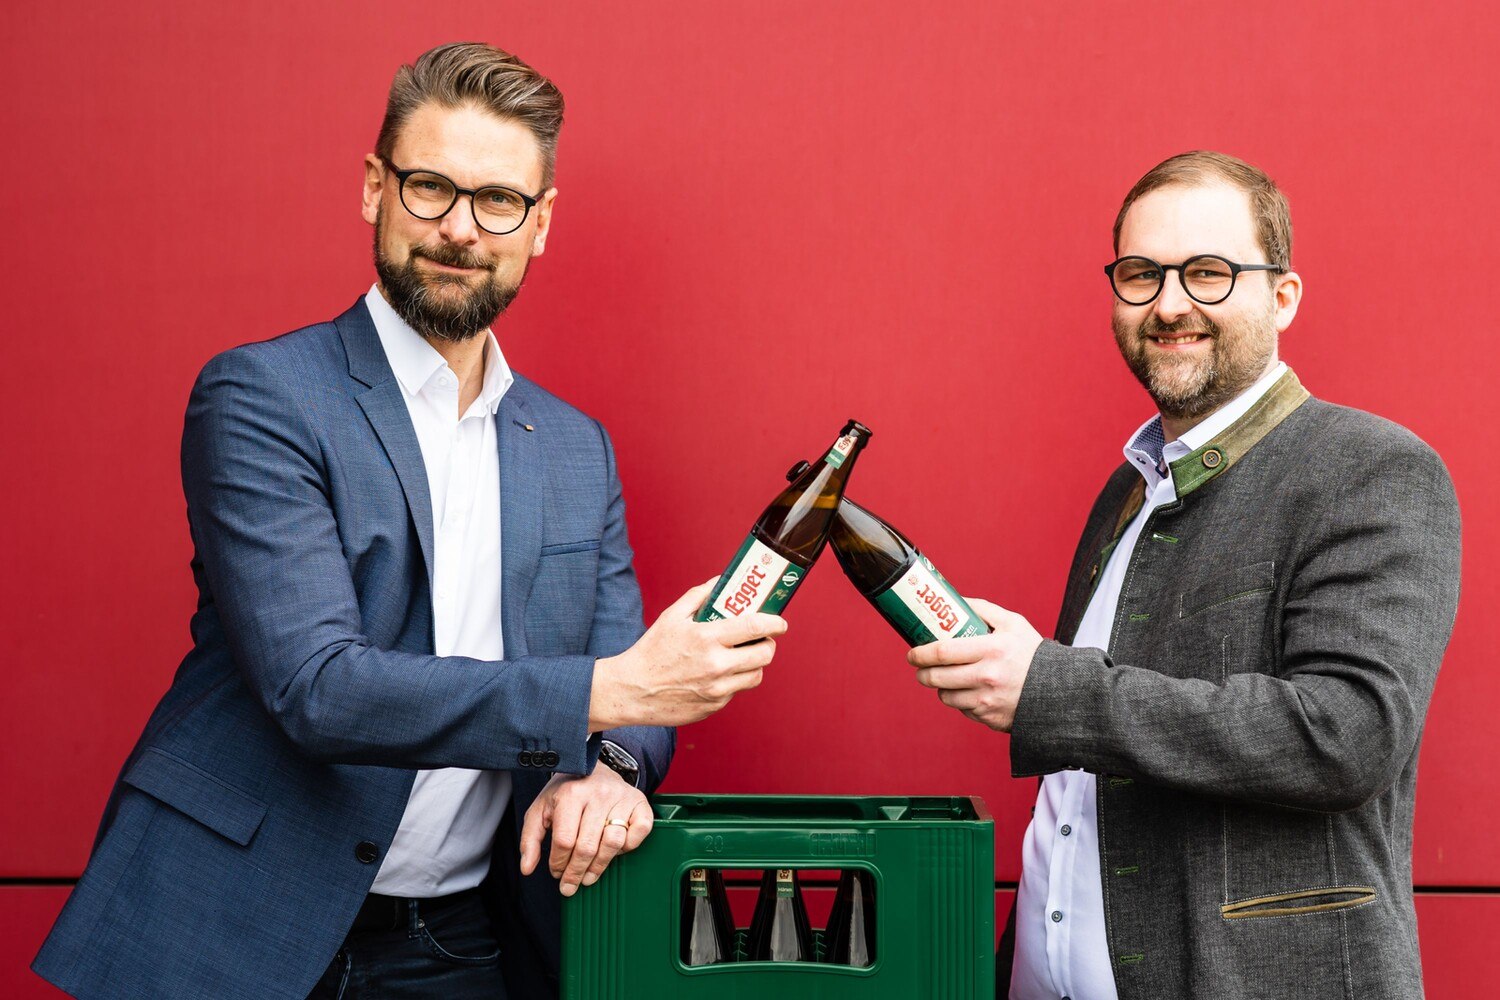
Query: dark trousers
417, 949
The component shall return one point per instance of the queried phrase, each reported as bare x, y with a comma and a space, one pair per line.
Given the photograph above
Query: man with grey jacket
1227, 724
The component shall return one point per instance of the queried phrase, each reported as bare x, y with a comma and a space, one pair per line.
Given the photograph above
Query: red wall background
772, 216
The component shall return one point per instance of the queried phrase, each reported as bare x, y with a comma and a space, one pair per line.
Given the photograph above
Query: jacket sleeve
265, 534
1368, 613
618, 624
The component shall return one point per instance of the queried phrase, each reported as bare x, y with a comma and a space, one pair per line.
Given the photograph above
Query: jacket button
551, 759
366, 852
1212, 457
524, 758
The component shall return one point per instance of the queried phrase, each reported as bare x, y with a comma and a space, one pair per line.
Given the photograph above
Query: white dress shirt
1061, 949
443, 843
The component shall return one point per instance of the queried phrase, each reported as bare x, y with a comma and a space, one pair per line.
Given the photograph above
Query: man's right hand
682, 670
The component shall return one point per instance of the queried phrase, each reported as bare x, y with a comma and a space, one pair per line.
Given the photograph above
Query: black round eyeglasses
1207, 278
429, 195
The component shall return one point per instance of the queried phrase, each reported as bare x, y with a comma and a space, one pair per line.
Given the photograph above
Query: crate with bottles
780, 928
741, 896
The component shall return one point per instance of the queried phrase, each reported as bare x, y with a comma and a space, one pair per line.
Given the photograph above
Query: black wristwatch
618, 760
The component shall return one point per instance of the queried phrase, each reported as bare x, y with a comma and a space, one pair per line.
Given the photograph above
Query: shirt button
1066, 829
1057, 916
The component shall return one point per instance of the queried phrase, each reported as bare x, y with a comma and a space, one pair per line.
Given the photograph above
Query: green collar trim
1196, 468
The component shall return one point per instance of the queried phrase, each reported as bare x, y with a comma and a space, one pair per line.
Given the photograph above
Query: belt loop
412, 919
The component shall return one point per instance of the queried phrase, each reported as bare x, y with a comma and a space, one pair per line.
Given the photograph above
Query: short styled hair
475, 74
1268, 206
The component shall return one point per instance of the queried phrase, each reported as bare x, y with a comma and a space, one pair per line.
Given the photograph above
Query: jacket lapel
521, 498
385, 407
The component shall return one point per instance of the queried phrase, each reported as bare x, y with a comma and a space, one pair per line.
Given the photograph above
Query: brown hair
473, 73
1268, 206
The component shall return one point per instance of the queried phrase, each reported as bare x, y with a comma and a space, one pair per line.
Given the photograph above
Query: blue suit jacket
236, 845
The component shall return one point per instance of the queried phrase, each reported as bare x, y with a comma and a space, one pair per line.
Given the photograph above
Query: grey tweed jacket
1256, 720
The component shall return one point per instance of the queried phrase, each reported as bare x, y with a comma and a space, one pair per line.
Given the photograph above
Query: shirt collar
1150, 453
416, 363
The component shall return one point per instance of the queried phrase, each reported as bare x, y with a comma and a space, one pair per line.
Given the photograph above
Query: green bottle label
924, 607
784, 883
698, 883
839, 453
757, 580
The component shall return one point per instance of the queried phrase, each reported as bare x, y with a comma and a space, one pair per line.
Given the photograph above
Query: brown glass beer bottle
787, 538
899, 581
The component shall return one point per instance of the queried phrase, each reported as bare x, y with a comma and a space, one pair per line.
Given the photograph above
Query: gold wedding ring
617, 822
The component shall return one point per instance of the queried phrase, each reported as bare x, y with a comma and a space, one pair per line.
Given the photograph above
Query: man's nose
1173, 303
458, 225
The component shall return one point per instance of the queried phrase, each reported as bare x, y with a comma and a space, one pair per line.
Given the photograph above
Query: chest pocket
1223, 625
1226, 588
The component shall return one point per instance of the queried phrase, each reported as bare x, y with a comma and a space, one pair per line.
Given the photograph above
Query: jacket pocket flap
1222, 588
197, 794
560, 548
1285, 904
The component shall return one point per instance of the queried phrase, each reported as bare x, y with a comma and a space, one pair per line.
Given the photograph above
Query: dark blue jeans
440, 949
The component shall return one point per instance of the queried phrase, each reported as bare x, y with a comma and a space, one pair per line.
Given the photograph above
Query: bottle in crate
707, 927
850, 937
780, 930
787, 538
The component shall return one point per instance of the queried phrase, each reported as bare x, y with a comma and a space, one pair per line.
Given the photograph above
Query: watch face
618, 762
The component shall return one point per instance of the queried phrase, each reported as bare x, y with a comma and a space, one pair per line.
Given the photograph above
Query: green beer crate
932, 861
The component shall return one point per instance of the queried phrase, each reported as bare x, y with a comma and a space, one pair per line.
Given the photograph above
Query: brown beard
1240, 354
414, 296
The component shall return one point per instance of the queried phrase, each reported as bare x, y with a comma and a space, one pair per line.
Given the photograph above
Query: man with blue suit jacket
418, 648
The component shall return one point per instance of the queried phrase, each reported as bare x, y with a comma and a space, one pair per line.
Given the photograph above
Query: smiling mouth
1182, 338
448, 267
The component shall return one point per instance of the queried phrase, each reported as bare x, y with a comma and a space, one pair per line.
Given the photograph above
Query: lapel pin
528, 427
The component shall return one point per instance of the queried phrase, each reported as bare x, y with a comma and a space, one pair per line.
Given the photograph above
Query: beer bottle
707, 927
899, 581
780, 931
789, 535
851, 924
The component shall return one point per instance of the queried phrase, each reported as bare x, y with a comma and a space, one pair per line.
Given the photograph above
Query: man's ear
374, 187
543, 221
1288, 294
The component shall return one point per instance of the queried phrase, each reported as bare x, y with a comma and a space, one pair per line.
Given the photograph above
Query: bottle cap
855, 425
